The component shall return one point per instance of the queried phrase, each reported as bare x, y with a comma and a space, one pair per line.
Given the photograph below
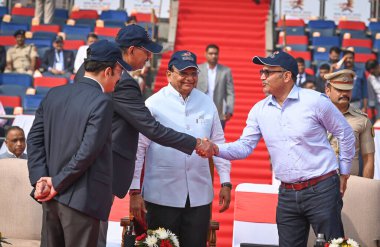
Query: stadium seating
22, 19
45, 28
76, 32
3, 11
359, 45
106, 32
73, 44
326, 42
324, 27
84, 14
7, 40
9, 28
351, 25
374, 28
10, 102
30, 103
49, 81
39, 43
23, 11
16, 79
297, 43
12, 90
304, 54
114, 15
44, 35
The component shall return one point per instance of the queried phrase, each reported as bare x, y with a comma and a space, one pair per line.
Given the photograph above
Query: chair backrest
360, 214
40, 42
321, 24
84, 14
7, 40
3, 11
294, 40
73, 44
46, 28
44, 35
290, 23
16, 79
20, 215
31, 103
107, 31
61, 13
23, 11
116, 15
76, 32
10, 101
14, 90
11, 27
363, 57
352, 25
49, 81
357, 43
22, 19
326, 42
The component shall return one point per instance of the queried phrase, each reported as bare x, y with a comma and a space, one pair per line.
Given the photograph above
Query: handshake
205, 148
44, 190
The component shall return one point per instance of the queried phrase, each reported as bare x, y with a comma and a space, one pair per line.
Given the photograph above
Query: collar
214, 69
174, 92
350, 110
12, 154
96, 81
293, 94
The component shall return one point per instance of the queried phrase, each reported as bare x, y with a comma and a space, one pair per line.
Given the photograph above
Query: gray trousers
45, 8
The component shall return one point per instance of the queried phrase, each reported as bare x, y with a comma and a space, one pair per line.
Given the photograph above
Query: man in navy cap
294, 124
177, 188
22, 57
69, 151
131, 116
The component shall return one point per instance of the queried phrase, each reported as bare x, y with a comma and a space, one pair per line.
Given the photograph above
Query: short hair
371, 64
300, 60
345, 52
325, 66
212, 46
92, 35
303, 85
97, 66
13, 128
335, 49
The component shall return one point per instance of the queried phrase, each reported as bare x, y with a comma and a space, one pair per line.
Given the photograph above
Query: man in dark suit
131, 116
302, 76
57, 61
69, 149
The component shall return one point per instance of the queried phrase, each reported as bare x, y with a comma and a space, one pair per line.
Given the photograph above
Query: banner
97, 5
297, 9
354, 10
145, 6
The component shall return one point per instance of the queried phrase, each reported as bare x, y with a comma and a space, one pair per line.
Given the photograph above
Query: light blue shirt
296, 136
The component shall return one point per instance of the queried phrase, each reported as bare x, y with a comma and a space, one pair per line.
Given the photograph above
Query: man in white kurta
177, 188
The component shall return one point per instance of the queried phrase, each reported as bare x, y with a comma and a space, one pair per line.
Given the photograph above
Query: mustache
344, 97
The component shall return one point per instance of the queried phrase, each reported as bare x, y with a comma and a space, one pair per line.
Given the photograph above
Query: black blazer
49, 58
70, 141
131, 117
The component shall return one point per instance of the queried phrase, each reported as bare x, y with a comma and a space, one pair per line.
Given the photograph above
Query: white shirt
58, 61
171, 175
303, 79
79, 58
211, 77
375, 82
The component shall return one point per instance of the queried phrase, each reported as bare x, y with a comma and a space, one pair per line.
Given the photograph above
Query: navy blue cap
18, 32
58, 39
279, 58
106, 51
183, 60
134, 35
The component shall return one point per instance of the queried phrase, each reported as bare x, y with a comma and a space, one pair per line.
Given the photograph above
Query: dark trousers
190, 224
66, 227
319, 206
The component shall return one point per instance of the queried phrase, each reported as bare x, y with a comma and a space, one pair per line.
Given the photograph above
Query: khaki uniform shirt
364, 136
21, 57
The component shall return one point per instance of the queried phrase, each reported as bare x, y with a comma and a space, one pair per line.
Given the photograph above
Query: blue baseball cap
279, 58
106, 51
134, 35
183, 60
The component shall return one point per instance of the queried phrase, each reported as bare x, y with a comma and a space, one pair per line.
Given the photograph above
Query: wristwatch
227, 184
134, 192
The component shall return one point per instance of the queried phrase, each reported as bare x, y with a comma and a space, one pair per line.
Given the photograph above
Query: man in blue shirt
294, 124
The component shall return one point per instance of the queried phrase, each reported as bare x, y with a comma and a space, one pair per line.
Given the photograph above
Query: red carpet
238, 28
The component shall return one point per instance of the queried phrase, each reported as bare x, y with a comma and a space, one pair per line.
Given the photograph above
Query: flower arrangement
2, 240
337, 242
157, 238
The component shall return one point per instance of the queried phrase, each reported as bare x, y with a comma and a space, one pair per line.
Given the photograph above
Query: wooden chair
213, 227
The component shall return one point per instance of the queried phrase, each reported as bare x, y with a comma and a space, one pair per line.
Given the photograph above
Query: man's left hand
224, 198
52, 193
343, 183
227, 116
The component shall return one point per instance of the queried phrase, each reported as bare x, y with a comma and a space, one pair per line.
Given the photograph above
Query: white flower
161, 233
173, 238
352, 242
151, 241
337, 241
334, 245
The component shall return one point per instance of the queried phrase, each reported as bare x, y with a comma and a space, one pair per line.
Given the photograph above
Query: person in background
180, 204
339, 90
360, 91
15, 142
321, 81
46, 9
310, 84
334, 55
302, 75
294, 123
216, 81
22, 57
57, 61
82, 51
373, 68
3, 60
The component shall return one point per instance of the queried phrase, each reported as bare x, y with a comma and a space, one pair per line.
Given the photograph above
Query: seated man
21, 58
82, 51
58, 62
177, 187
15, 142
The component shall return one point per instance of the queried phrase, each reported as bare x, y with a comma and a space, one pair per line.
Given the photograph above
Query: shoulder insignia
373, 131
359, 112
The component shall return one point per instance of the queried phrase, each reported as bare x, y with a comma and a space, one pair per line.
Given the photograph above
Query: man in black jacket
70, 155
131, 116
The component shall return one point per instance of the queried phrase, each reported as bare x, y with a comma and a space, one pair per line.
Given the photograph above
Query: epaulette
359, 112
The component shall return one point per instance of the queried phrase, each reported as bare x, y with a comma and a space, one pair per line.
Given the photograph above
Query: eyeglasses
184, 74
267, 73
143, 49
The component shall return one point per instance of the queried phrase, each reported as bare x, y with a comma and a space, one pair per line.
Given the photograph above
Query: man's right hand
137, 206
42, 189
204, 148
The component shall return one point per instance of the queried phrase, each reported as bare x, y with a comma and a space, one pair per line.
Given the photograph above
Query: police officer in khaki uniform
21, 58
339, 89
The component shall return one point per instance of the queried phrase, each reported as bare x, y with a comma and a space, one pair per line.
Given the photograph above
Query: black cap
58, 39
106, 51
279, 58
134, 35
19, 32
183, 60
